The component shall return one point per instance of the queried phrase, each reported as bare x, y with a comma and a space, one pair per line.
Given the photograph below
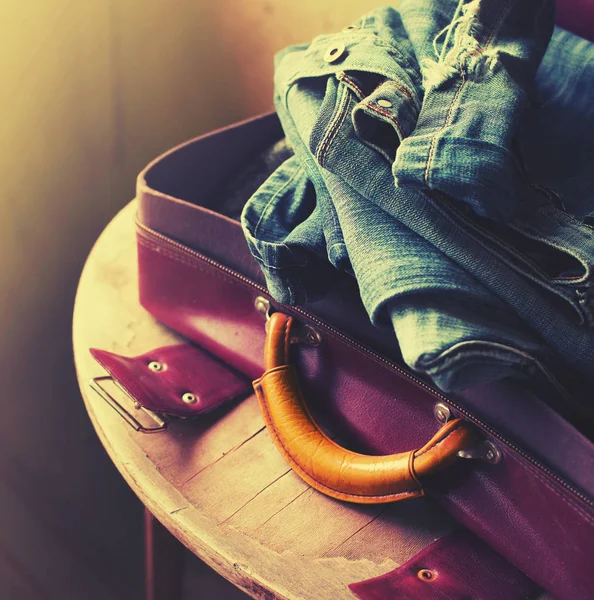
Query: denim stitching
388, 115
330, 129
498, 24
337, 122
549, 243
570, 221
487, 348
403, 90
435, 136
464, 81
268, 206
484, 233
504, 259
348, 81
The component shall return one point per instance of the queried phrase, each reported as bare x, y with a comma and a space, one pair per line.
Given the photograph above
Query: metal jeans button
335, 52
385, 103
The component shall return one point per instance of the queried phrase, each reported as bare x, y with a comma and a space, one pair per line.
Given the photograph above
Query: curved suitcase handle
322, 463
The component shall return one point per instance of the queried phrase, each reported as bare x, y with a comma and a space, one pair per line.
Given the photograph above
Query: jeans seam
551, 244
338, 119
496, 26
274, 196
447, 122
342, 76
437, 133
395, 84
486, 348
388, 115
534, 268
472, 235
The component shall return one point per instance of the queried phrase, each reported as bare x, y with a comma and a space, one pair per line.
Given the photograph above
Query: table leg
163, 561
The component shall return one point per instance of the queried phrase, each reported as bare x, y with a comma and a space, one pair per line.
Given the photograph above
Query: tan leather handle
323, 464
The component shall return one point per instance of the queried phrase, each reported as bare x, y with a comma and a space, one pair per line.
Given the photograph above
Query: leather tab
455, 567
182, 369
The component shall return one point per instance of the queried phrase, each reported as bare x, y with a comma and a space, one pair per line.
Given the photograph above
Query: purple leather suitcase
527, 490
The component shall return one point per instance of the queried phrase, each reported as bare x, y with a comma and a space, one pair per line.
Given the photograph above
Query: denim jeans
448, 178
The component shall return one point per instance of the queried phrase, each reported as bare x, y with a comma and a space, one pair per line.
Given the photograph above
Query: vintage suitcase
526, 484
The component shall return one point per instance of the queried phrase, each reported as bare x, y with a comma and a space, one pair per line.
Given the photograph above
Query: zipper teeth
378, 357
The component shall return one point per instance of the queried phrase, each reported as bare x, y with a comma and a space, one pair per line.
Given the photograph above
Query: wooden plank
188, 447
267, 503
400, 531
228, 484
257, 570
313, 524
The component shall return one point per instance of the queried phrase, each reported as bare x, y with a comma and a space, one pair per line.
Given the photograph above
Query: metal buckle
161, 424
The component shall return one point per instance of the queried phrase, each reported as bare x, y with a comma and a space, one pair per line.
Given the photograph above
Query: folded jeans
420, 255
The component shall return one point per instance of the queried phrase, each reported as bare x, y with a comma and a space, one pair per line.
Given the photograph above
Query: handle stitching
412, 470
422, 451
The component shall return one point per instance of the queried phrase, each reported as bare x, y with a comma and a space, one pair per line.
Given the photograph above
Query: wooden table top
218, 483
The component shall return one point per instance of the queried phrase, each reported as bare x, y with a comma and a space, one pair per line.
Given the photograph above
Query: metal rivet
262, 305
334, 53
189, 398
492, 452
312, 336
486, 450
442, 413
385, 103
426, 575
155, 366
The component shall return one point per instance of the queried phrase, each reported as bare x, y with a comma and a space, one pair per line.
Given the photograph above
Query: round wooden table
217, 483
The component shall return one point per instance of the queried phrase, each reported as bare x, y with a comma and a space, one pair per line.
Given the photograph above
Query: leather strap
459, 565
327, 466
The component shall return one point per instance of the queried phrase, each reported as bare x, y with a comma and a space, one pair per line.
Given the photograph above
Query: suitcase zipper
151, 233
